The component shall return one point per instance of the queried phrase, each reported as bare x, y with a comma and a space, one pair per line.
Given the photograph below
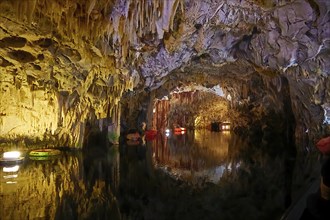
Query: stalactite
174, 11
80, 19
90, 6
30, 10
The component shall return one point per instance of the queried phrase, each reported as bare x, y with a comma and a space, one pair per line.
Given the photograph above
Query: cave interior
68, 68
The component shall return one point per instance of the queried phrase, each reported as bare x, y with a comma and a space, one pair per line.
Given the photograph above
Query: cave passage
242, 86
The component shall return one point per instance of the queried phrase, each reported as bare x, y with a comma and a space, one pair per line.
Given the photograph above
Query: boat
179, 129
11, 157
133, 136
225, 126
150, 134
43, 153
133, 142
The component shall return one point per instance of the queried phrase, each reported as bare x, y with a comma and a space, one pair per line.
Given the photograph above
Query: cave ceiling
91, 51
149, 39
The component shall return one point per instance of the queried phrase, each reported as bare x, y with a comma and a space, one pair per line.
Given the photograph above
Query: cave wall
288, 39
294, 40
85, 54
261, 109
52, 87
26, 110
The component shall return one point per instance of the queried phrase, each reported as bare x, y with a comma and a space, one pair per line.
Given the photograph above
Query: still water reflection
195, 155
198, 175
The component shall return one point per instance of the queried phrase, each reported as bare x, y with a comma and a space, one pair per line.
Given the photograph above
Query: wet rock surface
85, 55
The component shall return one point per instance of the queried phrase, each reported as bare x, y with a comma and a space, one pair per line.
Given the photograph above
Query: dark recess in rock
30, 79
13, 42
70, 54
198, 26
44, 42
4, 62
22, 56
41, 57
36, 67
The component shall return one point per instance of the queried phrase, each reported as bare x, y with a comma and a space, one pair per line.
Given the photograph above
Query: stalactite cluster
117, 26
192, 109
87, 54
89, 80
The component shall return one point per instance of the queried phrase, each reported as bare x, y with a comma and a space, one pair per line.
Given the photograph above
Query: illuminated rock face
83, 55
26, 111
53, 88
197, 109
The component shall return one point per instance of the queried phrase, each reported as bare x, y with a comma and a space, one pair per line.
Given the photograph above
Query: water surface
198, 175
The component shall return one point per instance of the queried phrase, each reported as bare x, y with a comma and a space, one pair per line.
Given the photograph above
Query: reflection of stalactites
100, 202
115, 171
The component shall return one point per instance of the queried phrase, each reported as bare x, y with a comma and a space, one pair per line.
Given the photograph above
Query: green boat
44, 153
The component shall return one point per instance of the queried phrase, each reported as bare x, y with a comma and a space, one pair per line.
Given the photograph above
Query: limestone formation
65, 64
